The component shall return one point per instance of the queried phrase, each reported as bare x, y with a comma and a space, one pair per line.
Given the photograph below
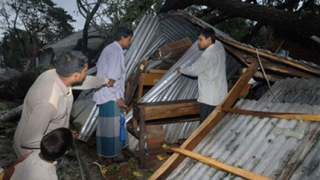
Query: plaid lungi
108, 142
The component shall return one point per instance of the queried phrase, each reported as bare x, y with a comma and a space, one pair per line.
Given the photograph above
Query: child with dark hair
42, 166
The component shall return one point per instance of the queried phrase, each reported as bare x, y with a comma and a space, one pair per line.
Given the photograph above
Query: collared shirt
34, 168
210, 68
111, 64
46, 107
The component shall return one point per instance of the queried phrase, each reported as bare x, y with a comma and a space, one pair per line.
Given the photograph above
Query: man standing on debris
211, 72
48, 102
110, 100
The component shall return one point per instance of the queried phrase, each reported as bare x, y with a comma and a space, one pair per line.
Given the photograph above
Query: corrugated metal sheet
150, 34
47, 52
267, 146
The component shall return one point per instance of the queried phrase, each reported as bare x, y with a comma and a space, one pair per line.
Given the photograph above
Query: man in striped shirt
210, 68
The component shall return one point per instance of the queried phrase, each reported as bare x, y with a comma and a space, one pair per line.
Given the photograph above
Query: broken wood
157, 71
163, 111
134, 84
174, 50
220, 165
245, 59
209, 123
279, 115
148, 79
169, 109
272, 57
271, 78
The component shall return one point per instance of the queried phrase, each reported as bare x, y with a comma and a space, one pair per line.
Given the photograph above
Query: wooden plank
134, 84
212, 120
244, 58
279, 115
285, 70
272, 57
148, 80
157, 71
220, 165
272, 78
170, 109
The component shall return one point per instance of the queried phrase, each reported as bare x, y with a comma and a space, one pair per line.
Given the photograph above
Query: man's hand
120, 102
178, 69
74, 133
110, 82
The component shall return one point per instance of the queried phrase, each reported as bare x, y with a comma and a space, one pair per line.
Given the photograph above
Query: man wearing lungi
110, 100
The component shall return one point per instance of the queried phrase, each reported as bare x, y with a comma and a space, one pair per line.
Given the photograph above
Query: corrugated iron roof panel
268, 146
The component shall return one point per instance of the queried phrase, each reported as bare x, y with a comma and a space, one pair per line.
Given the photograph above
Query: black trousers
205, 110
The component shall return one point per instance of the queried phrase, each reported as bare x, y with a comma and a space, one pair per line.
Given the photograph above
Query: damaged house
273, 137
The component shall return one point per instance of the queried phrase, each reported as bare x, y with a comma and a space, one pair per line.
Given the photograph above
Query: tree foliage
29, 24
112, 14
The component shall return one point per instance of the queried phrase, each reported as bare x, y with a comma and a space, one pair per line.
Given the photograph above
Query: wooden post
142, 137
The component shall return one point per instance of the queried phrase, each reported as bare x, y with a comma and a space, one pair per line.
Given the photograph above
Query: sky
71, 7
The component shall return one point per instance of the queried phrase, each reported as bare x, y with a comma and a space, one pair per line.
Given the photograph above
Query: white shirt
34, 168
46, 107
210, 68
111, 64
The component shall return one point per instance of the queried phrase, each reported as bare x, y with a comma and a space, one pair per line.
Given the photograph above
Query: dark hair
208, 32
70, 62
122, 31
55, 143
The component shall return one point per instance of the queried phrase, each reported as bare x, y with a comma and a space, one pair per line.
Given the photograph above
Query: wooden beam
285, 70
171, 109
148, 80
209, 123
272, 78
272, 57
220, 165
134, 84
245, 58
157, 71
279, 115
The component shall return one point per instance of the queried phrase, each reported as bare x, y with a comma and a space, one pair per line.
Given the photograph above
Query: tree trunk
12, 115
286, 21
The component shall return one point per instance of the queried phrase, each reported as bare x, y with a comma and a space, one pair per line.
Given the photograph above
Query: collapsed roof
240, 133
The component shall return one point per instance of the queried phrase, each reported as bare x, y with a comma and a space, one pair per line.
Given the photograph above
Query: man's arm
200, 65
92, 82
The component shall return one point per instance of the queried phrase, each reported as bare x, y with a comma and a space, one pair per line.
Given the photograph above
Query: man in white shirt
210, 68
110, 100
48, 103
